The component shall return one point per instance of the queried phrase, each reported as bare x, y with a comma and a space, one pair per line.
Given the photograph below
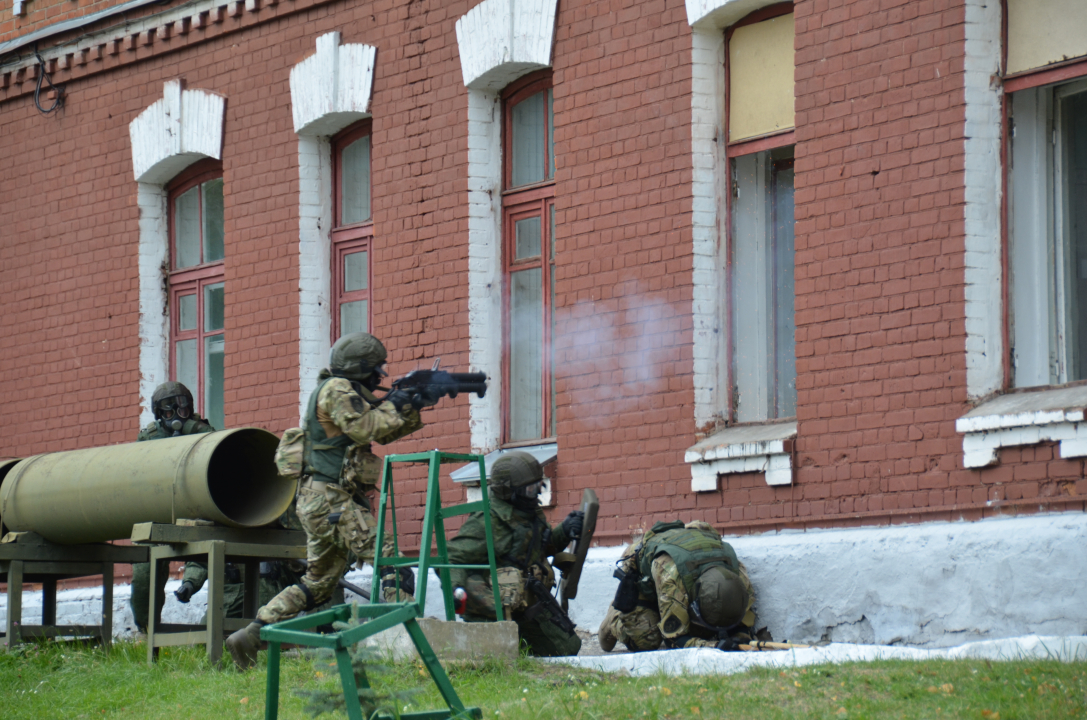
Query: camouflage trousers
327, 549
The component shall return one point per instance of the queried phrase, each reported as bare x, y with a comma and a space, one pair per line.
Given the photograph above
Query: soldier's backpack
290, 454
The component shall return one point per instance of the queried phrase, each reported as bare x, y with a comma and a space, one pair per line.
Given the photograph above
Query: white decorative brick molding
709, 182
332, 88
17, 8
314, 262
1025, 418
154, 327
173, 133
721, 13
485, 263
741, 449
984, 317
176, 131
501, 40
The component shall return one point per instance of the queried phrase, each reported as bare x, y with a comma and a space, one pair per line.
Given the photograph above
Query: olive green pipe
98, 494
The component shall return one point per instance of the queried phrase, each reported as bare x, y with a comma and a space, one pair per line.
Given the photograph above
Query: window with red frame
197, 342
528, 258
352, 230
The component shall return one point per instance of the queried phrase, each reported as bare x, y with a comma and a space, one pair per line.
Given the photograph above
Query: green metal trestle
386, 615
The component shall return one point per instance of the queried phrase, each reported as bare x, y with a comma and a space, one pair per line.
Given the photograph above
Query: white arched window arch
183, 128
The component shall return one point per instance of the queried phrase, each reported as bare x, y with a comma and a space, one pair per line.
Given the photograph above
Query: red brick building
767, 265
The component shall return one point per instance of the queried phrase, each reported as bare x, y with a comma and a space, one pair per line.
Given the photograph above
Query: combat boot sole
244, 645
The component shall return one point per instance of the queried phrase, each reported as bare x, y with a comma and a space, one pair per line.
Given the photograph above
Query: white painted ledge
741, 449
1026, 418
501, 40
721, 13
176, 131
331, 89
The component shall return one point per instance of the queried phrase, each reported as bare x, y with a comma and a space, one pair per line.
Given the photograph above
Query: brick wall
879, 240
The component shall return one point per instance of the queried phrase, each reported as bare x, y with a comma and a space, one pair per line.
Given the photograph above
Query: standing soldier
174, 416
683, 586
523, 541
342, 419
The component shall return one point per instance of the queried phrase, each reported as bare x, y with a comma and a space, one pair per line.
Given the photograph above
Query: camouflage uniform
522, 543
342, 420
141, 572
664, 596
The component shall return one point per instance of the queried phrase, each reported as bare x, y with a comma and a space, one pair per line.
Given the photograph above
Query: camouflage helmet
355, 356
722, 598
512, 471
168, 390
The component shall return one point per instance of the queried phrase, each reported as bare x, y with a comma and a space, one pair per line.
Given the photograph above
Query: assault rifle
426, 387
546, 601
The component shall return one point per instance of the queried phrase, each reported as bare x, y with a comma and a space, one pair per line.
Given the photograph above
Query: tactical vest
322, 456
693, 551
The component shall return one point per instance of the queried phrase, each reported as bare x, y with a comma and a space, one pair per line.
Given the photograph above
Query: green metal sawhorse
434, 517
387, 615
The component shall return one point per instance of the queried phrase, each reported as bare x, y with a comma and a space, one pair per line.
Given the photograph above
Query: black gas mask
373, 381
527, 497
172, 412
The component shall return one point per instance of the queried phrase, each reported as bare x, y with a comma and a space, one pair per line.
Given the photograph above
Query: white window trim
330, 90
766, 448
170, 135
1025, 418
499, 41
982, 215
709, 183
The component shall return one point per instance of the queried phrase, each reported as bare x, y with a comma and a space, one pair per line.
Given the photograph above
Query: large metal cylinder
98, 494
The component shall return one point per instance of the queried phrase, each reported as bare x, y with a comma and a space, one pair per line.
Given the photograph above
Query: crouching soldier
523, 541
680, 585
172, 406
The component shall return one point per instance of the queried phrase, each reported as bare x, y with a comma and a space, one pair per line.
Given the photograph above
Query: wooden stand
216, 545
31, 558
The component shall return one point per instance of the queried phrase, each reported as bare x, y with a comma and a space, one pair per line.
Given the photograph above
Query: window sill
1025, 418
742, 449
545, 453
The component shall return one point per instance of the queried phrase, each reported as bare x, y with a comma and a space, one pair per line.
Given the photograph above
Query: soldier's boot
245, 644
606, 633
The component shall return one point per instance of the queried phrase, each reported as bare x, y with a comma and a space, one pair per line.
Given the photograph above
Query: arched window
352, 231
196, 282
528, 258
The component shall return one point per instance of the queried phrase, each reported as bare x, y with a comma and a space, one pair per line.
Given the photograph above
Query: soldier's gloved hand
729, 644
427, 397
573, 524
185, 592
401, 399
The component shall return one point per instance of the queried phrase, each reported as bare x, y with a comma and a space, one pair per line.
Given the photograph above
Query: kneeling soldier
680, 585
523, 541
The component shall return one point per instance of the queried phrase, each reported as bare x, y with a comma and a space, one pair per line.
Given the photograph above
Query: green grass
65, 681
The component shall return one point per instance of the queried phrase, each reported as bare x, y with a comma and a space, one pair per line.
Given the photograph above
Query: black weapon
439, 383
546, 601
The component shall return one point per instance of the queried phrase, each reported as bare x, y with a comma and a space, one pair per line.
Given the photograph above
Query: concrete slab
451, 640
714, 662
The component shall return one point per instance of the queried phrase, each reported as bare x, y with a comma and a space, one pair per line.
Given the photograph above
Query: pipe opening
5, 468
243, 480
